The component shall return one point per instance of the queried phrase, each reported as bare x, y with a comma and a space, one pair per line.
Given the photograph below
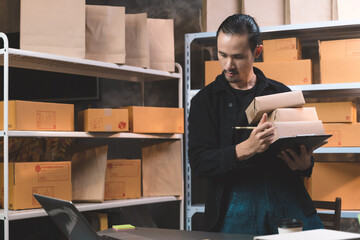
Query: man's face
235, 57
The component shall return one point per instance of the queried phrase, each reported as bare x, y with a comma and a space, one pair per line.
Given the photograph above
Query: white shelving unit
55, 63
306, 32
83, 207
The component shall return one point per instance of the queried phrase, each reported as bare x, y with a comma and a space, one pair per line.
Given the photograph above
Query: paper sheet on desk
323, 234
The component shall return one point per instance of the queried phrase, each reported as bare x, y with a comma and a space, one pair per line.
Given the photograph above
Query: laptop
68, 218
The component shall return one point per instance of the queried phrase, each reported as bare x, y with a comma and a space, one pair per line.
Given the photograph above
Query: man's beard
234, 79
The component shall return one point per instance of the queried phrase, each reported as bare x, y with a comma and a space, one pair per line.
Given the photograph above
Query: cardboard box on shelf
288, 72
341, 70
103, 120
338, 49
156, 119
337, 179
284, 49
38, 116
344, 134
293, 114
212, 70
123, 179
339, 61
88, 160
268, 103
335, 112
46, 178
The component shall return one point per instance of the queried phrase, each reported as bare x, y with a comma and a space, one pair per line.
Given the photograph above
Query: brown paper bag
136, 40
347, 9
161, 44
162, 169
105, 33
9, 16
88, 167
304, 11
214, 12
266, 13
53, 26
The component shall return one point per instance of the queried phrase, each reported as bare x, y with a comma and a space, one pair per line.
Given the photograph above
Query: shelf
200, 208
313, 30
348, 90
82, 207
56, 63
319, 90
338, 150
90, 135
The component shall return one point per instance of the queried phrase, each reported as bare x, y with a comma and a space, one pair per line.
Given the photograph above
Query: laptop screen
66, 216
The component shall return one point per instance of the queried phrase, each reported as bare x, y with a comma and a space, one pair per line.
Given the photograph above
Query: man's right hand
259, 140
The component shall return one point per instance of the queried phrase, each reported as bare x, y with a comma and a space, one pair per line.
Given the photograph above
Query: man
249, 190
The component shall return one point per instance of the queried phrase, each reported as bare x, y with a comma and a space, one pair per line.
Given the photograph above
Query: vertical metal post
188, 217
6, 137
180, 105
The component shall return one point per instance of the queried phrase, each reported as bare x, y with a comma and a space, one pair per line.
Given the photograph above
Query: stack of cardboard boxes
110, 179
294, 125
282, 62
337, 179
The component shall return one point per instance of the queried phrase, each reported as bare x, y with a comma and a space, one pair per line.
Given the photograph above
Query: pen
238, 128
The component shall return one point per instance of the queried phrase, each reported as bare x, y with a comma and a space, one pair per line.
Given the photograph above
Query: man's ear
258, 50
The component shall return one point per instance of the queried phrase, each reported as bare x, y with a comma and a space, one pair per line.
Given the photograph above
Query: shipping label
115, 189
117, 170
53, 172
46, 120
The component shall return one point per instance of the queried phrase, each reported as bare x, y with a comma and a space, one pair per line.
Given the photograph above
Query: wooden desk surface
170, 234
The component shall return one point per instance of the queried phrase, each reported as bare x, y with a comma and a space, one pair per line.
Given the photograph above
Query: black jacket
212, 151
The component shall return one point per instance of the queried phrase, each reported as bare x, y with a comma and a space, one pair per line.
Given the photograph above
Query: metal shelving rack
55, 63
306, 32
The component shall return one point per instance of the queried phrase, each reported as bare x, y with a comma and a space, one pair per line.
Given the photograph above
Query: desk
141, 233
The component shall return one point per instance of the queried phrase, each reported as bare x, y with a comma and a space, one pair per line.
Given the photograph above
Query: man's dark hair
240, 24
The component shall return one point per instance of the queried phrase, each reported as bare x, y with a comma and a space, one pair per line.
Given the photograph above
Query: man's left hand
296, 161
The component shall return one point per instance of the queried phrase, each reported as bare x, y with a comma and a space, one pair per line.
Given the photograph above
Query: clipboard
294, 142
